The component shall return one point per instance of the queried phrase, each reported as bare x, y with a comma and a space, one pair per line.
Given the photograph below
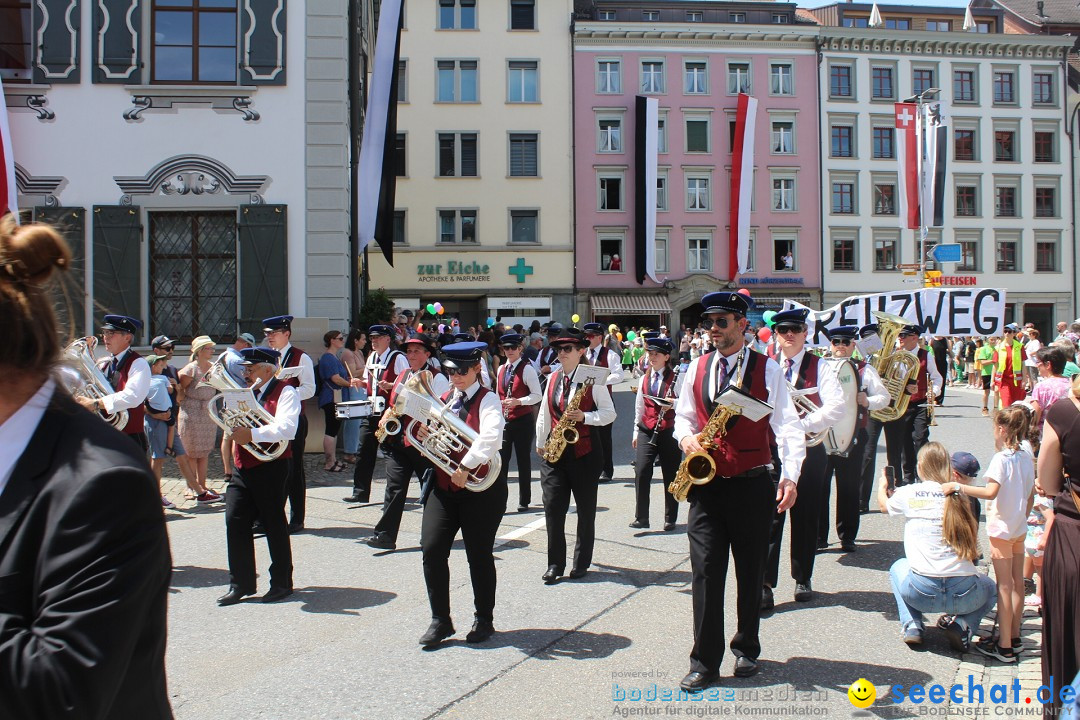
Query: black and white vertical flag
376, 177
646, 157
935, 147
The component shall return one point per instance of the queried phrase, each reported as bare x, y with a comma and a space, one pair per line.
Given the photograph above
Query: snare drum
352, 409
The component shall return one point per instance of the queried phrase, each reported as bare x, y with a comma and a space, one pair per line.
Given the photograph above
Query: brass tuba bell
896, 367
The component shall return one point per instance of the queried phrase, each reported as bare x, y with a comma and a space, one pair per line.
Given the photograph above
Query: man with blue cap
278, 331
518, 387
598, 354
549, 357
230, 359
127, 372
257, 488
906, 435
450, 507
654, 433
733, 512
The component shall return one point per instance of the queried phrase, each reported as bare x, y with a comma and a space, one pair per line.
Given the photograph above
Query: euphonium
91, 382
564, 433
897, 368
235, 406
698, 468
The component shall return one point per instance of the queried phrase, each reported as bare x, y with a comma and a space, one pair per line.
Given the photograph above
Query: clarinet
660, 417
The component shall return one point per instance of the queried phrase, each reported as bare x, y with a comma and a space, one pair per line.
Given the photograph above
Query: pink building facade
696, 72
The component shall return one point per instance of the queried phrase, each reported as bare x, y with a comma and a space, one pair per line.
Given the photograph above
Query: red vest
548, 355
518, 389
652, 408
241, 457
389, 374
136, 414
920, 394
807, 375
584, 443
472, 419
601, 356
746, 444
292, 359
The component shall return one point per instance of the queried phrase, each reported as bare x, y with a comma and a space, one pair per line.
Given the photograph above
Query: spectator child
1040, 519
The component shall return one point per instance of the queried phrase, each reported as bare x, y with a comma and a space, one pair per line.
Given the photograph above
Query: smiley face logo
862, 693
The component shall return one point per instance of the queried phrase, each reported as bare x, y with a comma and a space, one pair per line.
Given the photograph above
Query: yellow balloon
575, 317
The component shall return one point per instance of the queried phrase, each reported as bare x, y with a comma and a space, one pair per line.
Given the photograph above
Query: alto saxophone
698, 468
564, 433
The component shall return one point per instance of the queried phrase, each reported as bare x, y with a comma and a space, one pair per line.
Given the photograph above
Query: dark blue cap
868, 330
912, 329
570, 335
385, 330
256, 355
554, 328
723, 301
650, 334
464, 337
463, 354
795, 316
660, 344
512, 339
278, 322
965, 463
1012, 327
122, 323
848, 332
593, 327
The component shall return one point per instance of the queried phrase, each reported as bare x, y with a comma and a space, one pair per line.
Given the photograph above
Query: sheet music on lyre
749, 406
598, 373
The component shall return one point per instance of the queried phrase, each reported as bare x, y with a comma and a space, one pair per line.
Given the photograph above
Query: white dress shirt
784, 420
935, 375
489, 438
877, 395
307, 373
17, 430
286, 417
614, 364
135, 390
376, 366
828, 389
439, 384
644, 388
531, 378
604, 414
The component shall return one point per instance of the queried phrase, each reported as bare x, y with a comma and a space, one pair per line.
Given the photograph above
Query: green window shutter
262, 43
264, 282
116, 42
56, 59
69, 295
117, 256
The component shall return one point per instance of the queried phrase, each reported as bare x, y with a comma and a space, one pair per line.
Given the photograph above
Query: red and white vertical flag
907, 155
8, 192
742, 180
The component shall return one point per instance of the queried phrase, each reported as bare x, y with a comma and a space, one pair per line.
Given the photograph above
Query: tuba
896, 367
235, 406
88, 381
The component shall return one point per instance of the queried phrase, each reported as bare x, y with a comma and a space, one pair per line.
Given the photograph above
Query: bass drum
841, 436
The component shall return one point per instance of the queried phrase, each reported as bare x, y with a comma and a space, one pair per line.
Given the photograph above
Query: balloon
764, 334
767, 316
438, 306
431, 309
575, 317
619, 335
491, 321
441, 310
631, 336
744, 291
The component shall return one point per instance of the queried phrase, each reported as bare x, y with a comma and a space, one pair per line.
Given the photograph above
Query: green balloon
631, 335
768, 316
431, 309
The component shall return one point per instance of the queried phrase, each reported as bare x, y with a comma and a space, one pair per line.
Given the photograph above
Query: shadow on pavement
872, 555
343, 532
193, 576
863, 600
339, 600
634, 576
552, 643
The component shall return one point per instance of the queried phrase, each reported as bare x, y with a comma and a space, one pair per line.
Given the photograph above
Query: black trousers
804, 521
258, 492
904, 437
518, 437
577, 476
478, 516
848, 473
670, 456
366, 455
297, 478
868, 479
728, 515
943, 370
602, 435
140, 440
401, 463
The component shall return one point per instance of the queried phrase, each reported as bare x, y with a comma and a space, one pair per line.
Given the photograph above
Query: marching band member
548, 360
872, 396
485, 362
383, 366
257, 489
867, 480
402, 459
577, 471
128, 373
803, 370
734, 510
598, 354
279, 337
450, 507
906, 435
654, 427
519, 390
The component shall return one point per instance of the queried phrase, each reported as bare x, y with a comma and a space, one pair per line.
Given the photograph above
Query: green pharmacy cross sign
520, 270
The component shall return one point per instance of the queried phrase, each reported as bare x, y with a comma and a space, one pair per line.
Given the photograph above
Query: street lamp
920, 101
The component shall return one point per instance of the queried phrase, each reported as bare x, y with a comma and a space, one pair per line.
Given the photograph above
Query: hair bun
30, 253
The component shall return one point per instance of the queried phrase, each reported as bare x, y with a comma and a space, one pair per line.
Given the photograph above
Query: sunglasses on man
786, 329
841, 341
720, 322
459, 370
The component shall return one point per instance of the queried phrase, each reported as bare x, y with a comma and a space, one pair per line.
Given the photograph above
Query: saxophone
698, 468
564, 433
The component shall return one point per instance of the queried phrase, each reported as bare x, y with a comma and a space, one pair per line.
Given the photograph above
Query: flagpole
921, 127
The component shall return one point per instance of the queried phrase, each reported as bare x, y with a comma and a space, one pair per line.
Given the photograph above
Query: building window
194, 41
883, 142
886, 254
964, 86
780, 79
457, 226
661, 135
884, 199
781, 19
841, 141
1045, 202
697, 193
694, 79
898, 24
1005, 146
840, 81
523, 226
399, 227
784, 254
610, 135
652, 76
843, 198
522, 14
400, 166
1005, 201
611, 192
1045, 144
783, 194
966, 201
522, 84
698, 257
939, 25
695, 16
856, 22
1004, 90
661, 192
697, 135
457, 81
608, 76
1046, 255
922, 79
964, 144
403, 81
882, 78
457, 14
15, 40
611, 254
1042, 90
524, 154
737, 17
843, 253
738, 78
661, 254
457, 155
650, 15
605, 15
1008, 255
969, 256
783, 138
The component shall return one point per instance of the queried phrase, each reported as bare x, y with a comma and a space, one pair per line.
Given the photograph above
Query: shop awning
630, 304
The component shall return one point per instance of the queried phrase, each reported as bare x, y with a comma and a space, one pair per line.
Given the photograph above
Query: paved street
344, 646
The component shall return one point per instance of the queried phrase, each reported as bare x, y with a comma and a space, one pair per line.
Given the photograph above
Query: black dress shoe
577, 573
381, 541
668, 527
767, 601
803, 592
356, 497
847, 547
745, 667
640, 524
523, 508
296, 527
481, 631
605, 478
258, 528
552, 574
232, 597
438, 631
698, 681
276, 594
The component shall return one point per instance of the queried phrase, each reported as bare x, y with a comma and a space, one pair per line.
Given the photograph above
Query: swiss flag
8, 197
907, 154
